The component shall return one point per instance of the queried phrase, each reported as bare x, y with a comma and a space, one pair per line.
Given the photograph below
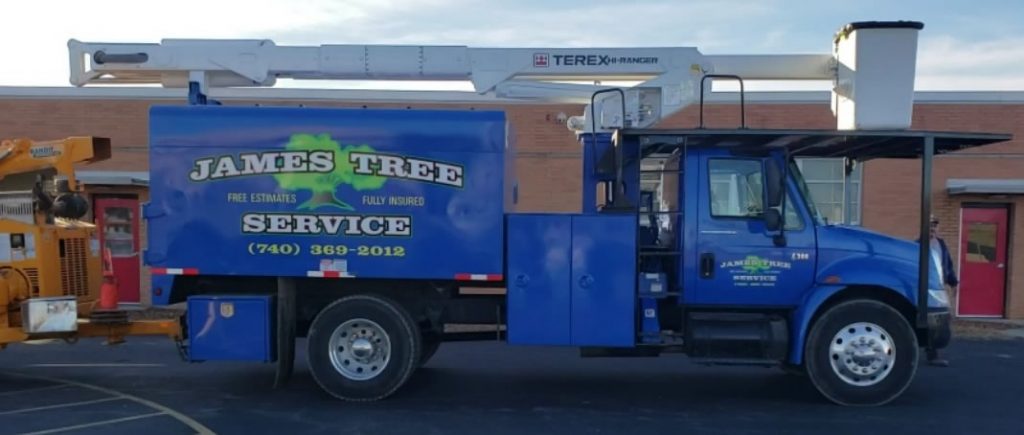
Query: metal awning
113, 178
857, 145
977, 186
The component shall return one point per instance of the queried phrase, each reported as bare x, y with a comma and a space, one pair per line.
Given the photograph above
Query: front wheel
861, 353
363, 348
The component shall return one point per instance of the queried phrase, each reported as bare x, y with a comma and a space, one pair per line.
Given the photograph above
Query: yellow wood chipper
51, 262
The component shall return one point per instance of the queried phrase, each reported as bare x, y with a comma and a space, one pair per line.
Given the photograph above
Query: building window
825, 179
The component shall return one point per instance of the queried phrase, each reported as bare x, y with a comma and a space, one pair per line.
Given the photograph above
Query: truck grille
74, 275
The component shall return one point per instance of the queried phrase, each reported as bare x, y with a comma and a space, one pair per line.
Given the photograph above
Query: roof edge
985, 186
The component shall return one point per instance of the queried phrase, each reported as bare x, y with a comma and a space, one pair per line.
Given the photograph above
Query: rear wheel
861, 353
363, 347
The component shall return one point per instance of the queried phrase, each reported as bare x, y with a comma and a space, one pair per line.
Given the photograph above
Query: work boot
934, 360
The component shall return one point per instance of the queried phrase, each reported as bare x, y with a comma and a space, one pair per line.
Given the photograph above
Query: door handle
1001, 265
707, 265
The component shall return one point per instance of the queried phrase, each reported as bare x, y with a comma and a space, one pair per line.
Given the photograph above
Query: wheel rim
862, 354
359, 349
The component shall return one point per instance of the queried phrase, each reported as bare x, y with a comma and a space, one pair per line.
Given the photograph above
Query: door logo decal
755, 271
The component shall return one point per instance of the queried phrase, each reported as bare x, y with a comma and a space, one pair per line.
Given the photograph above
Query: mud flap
285, 335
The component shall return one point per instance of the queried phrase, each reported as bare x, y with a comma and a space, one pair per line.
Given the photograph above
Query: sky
965, 44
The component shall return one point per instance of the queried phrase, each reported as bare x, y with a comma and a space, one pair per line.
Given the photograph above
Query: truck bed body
257, 191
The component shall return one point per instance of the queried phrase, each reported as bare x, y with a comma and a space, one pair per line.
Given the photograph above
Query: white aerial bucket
874, 88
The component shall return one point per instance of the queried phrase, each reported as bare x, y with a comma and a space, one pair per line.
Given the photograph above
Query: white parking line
33, 389
61, 405
184, 419
94, 424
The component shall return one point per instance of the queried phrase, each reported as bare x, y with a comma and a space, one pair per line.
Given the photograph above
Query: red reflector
832, 279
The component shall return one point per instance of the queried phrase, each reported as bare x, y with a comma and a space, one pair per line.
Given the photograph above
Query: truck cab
708, 242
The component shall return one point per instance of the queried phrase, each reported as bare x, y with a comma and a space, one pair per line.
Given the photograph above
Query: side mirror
772, 219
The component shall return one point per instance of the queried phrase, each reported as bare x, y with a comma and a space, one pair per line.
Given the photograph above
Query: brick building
977, 194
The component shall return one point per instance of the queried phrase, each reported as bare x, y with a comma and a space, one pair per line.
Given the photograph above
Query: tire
850, 369
363, 348
431, 343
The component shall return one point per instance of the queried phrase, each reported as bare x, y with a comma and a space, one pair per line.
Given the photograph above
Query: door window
737, 188
793, 220
118, 232
981, 242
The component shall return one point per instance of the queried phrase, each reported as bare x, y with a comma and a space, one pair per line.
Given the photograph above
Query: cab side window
737, 188
794, 222
737, 191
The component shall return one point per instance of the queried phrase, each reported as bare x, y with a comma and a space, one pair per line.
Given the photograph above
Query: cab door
739, 260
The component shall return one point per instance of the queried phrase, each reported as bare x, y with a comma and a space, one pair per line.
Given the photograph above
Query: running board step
737, 337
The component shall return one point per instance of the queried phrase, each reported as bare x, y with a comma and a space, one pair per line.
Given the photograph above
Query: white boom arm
669, 78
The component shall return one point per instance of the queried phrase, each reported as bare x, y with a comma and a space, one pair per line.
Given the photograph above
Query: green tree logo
754, 264
324, 185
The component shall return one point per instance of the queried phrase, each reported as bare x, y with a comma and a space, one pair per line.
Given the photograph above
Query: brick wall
1015, 275
549, 162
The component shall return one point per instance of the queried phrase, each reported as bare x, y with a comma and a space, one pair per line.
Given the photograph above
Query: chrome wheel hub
862, 354
360, 349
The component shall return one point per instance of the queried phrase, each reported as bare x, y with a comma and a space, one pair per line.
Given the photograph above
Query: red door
982, 262
118, 220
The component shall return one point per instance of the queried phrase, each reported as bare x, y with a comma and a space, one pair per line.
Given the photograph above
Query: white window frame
856, 178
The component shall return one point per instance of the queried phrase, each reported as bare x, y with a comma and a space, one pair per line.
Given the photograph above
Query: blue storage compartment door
230, 328
604, 280
538, 279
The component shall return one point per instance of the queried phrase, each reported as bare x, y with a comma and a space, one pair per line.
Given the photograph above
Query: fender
802, 318
875, 271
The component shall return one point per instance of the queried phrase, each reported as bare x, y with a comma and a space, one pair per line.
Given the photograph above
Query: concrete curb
991, 328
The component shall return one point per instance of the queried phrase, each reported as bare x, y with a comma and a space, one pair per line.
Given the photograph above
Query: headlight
939, 296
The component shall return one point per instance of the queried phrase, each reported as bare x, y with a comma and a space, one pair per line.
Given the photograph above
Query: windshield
805, 192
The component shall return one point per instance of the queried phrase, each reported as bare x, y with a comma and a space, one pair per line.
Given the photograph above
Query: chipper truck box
359, 229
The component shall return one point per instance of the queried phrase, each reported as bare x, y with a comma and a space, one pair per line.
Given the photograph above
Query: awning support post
924, 256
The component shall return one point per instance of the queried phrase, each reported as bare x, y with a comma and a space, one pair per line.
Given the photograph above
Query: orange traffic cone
108, 290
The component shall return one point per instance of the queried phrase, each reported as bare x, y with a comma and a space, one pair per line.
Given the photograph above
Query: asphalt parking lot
490, 388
